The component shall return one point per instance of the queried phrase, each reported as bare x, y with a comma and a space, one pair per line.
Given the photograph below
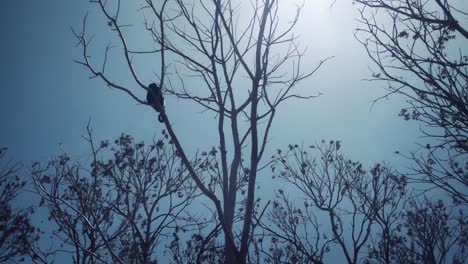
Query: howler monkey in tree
155, 98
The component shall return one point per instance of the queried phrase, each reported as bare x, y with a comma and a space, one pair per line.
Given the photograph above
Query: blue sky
47, 99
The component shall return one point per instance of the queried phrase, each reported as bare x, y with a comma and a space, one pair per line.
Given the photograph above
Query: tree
292, 234
119, 208
417, 47
16, 230
429, 233
417, 54
356, 203
243, 72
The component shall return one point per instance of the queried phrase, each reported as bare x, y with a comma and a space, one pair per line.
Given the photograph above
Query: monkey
155, 98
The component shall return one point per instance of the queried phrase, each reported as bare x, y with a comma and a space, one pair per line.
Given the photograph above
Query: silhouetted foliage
292, 234
351, 202
198, 248
427, 233
120, 207
16, 230
416, 46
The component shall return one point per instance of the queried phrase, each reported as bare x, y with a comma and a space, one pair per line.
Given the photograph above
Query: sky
46, 99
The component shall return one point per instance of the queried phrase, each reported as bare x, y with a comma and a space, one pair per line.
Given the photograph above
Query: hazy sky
47, 99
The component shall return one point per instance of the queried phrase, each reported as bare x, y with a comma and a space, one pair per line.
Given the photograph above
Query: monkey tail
160, 118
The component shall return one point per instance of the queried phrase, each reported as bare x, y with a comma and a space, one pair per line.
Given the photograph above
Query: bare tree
243, 72
419, 54
16, 230
419, 50
292, 234
355, 202
201, 247
430, 233
122, 206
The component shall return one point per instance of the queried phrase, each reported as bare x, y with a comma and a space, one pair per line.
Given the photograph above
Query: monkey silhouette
155, 98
